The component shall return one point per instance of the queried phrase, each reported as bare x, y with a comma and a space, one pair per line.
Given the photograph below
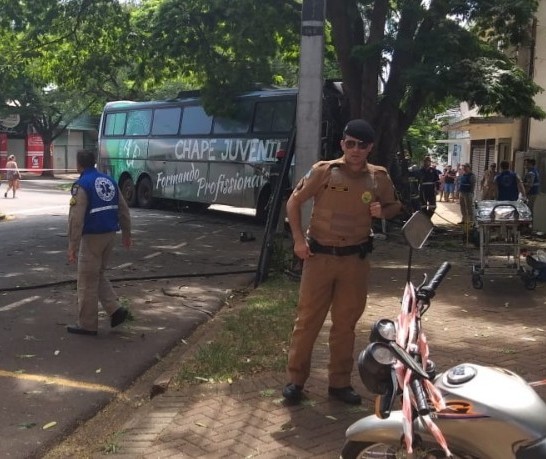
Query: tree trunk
47, 170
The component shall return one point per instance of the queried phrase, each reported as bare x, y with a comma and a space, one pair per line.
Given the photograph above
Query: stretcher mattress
502, 212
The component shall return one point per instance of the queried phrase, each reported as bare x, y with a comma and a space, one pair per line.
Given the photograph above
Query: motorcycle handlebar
420, 397
427, 291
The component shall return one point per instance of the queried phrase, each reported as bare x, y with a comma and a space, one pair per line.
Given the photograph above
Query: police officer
429, 178
97, 211
347, 192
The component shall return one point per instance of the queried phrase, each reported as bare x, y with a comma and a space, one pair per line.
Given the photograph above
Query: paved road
501, 324
49, 380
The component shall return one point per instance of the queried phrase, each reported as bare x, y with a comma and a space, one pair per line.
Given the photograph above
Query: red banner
35, 152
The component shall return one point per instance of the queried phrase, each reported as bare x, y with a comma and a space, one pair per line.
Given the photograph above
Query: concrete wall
537, 134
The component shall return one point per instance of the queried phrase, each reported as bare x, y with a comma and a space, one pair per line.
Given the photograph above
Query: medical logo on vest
105, 188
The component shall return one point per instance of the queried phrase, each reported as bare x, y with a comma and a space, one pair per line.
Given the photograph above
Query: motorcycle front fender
372, 429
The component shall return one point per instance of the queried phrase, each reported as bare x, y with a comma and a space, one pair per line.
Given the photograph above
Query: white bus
173, 149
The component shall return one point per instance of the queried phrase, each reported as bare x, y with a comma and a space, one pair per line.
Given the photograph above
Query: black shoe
119, 316
76, 329
292, 393
345, 394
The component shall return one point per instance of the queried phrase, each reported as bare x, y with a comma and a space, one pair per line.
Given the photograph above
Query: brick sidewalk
502, 325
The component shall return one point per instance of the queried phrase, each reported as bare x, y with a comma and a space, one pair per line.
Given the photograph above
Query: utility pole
309, 108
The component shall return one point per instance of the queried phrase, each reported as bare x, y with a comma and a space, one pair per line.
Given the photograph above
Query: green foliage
424, 132
226, 46
425, 52
395, 57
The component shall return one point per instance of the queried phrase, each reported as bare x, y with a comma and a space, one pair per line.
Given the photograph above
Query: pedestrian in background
467, 185
347, 193
509, 185
487, 183
531, 182
97, 211
12, 176
449, 183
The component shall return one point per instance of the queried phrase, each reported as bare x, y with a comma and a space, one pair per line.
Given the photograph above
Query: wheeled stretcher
499, 224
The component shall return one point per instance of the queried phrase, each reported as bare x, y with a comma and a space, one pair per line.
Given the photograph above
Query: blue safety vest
465, 183
507, 185
103, 198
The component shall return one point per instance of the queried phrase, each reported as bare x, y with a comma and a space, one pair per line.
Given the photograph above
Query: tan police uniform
94, 252
338, 279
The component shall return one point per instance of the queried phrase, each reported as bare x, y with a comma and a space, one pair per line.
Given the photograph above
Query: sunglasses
356, 143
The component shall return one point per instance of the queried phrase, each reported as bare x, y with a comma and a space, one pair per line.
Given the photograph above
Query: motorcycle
469, 411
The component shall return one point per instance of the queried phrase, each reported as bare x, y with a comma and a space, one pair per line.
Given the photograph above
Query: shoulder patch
74, 189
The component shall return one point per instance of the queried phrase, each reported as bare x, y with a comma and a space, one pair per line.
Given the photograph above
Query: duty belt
362, 249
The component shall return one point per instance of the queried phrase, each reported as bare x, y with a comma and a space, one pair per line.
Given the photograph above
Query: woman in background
12, 175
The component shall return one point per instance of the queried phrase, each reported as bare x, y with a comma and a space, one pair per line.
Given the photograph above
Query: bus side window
195, 121
239, 123
264, 117
139, 122
166, 121
274, 116
115, 123
283, 120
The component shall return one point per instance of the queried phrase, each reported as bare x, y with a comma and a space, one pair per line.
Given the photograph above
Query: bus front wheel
128, 191
144, 193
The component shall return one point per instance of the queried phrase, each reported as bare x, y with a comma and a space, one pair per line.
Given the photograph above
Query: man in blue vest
97, 212
509, 185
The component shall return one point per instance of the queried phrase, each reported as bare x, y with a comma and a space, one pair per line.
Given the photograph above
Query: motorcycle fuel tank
480, 391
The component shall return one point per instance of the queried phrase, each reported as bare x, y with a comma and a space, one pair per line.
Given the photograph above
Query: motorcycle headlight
374, 366
384, 330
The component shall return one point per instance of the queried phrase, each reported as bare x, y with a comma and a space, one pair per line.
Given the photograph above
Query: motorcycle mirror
417, 230
384, 330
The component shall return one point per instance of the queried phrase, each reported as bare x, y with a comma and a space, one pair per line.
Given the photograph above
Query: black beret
361, 130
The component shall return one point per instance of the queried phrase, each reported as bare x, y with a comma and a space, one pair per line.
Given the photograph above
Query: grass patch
64, 186
253, 338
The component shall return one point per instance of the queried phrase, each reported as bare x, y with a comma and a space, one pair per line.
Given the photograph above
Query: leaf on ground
200, 424
57, 352
49, 425
30, 338
98, 370
26, 425
26, 356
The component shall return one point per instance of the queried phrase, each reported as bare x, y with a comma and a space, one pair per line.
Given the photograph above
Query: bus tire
128, 191
144, 193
